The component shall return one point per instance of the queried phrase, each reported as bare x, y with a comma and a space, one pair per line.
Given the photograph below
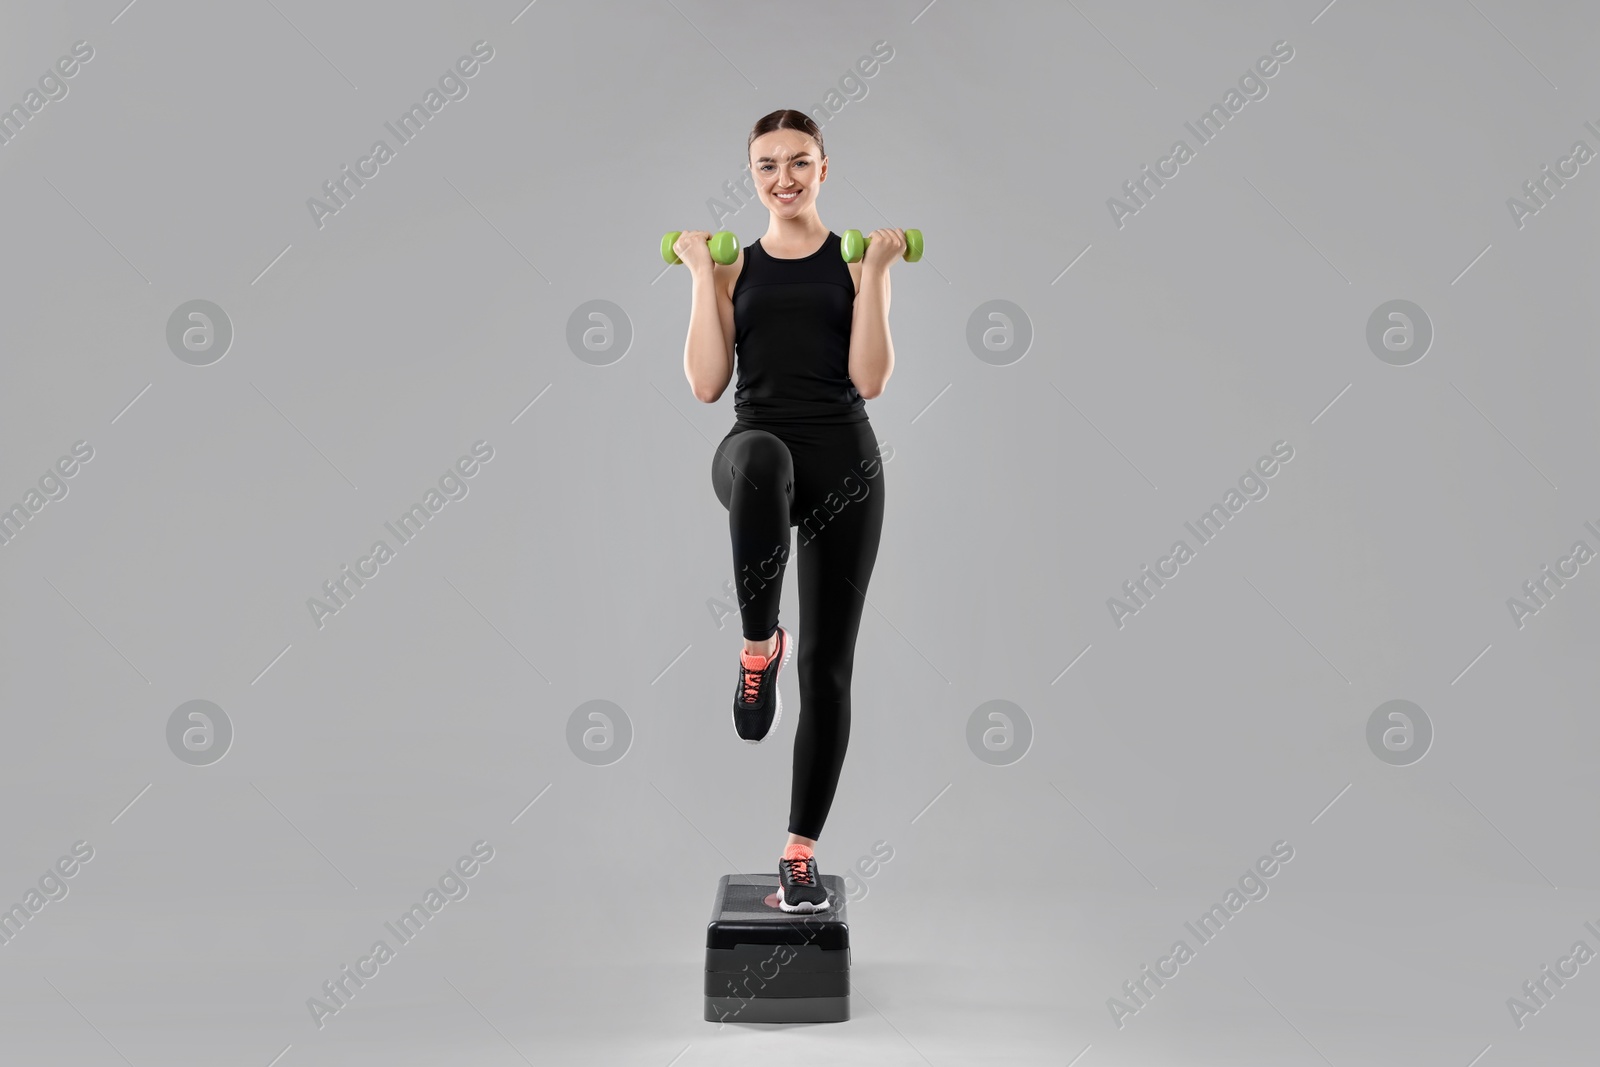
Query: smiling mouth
788, 197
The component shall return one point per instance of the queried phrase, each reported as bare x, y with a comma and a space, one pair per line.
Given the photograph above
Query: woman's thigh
838, 482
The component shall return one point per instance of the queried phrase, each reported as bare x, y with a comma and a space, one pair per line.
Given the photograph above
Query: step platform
766, 965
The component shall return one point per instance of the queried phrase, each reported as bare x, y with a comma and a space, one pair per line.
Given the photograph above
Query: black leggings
827, 481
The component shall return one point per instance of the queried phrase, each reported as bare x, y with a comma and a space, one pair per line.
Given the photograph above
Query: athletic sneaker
799, 884
757, 704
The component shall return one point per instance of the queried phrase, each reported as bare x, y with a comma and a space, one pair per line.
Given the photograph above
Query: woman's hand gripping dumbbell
687, 246
854, 247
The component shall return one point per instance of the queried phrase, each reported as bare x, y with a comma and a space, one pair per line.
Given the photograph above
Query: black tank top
791, 320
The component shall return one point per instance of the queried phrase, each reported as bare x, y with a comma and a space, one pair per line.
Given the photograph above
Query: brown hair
786, 119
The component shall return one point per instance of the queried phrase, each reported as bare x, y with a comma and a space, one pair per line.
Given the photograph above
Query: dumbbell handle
853, 246
724, 246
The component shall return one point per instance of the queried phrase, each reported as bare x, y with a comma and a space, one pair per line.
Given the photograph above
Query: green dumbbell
853, 246
724, 247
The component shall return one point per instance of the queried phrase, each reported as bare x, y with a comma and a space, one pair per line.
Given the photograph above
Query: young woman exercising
812, 337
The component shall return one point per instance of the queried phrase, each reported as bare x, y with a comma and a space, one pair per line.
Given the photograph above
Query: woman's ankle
795, 839
762, 648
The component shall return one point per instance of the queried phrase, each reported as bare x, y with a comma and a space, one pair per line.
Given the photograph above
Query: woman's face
787, 167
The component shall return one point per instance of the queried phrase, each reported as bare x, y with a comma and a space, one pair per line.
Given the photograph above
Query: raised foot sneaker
799, 884
757, 704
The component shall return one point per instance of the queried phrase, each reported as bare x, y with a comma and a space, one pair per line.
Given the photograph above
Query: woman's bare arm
871, 347
708, 350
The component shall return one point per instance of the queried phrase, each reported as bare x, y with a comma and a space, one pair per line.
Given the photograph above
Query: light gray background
1228, 314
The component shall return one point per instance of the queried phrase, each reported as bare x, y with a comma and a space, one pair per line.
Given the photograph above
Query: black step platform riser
791, 959
785, 985
778, 1010
765, 965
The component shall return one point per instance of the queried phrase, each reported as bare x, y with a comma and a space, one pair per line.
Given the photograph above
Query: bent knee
762, 451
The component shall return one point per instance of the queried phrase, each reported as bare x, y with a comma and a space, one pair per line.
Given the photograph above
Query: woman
812, 336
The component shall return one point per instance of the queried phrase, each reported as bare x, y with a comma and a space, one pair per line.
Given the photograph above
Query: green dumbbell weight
853, 246
724, 247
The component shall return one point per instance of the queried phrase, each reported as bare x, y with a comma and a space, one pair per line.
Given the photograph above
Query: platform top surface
744, 898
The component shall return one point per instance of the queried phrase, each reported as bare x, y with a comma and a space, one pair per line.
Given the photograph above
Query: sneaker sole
803, 906
777, 693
